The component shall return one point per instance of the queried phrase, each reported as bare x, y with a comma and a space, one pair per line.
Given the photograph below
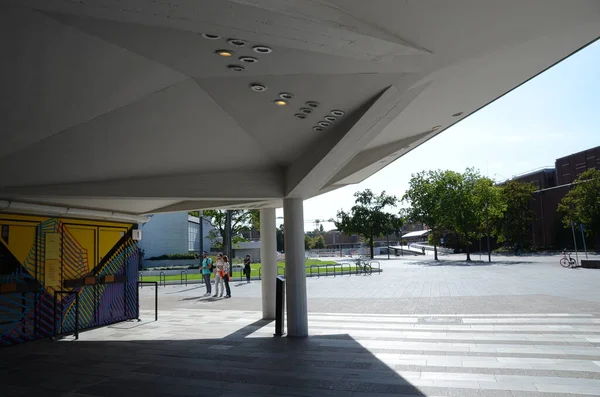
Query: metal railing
162, 278
184, 273
139, 284
76, 331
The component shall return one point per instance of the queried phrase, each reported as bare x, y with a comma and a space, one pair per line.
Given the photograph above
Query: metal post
200, 233
388, 244
76, 316
575, 242
583, 238
280, 306
228, 248
487, 230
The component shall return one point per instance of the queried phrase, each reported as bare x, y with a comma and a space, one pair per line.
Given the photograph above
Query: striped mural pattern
31, 315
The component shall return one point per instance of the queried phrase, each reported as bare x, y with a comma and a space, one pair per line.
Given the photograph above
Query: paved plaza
520, 327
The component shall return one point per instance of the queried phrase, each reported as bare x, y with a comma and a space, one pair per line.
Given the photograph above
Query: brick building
553, 184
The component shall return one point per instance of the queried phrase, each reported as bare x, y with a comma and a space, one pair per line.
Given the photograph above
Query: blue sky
551, 116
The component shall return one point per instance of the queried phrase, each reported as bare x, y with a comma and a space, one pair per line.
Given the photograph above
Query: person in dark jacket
247, 268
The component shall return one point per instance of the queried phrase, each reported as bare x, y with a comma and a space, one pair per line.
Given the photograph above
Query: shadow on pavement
233, 365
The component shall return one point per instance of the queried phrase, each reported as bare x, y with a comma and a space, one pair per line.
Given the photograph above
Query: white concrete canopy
123, 105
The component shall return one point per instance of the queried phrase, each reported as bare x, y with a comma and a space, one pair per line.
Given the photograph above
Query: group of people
222, 272
221, 269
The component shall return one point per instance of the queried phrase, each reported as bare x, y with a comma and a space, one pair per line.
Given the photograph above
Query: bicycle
363, 267
566, 260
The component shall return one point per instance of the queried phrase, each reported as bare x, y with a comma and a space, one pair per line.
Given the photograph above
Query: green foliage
368, 217
240, 220
423, 196
448, 202
319, 242
280, 238
581, 205
514, 224
309, 242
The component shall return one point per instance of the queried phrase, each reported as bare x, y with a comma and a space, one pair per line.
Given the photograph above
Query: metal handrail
186, 277
162, 278
372, 263
311, 270
76, 332
139, 284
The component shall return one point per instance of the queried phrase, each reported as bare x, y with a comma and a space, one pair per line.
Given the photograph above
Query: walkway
461, 331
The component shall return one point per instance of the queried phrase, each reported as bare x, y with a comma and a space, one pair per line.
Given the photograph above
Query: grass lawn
256, 271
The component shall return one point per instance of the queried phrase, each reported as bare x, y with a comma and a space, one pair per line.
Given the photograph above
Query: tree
280, 237
461, 212
454, 203
581, 205
368, 217
425, 207
491, 205
309, 242
515, 223
240, 220
319, 242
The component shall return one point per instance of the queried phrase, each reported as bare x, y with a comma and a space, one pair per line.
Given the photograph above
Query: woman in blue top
206, 271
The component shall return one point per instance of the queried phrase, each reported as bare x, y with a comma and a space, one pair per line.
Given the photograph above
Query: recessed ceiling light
457, 114
300, 116
257, 87
337, 113
236, 42
437, 127
280, 102
324, 123
236, 68
330, 118
318, 129
210, 36
312, 104
306, 110
261, 49
286, 95
248, 59
224, 53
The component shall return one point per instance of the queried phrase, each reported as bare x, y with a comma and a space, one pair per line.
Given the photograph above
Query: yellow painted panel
109, 237
24, 218
86, 237
21, 240
52, 246
52, 273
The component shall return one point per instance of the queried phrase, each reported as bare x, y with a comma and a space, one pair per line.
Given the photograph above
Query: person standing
219, 276
247, 269
226, 269
206, 269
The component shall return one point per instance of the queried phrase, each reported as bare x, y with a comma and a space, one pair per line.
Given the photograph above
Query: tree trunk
468, 254
371, 245
435, 252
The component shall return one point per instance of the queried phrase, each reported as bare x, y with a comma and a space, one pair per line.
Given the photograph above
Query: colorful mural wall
46, 262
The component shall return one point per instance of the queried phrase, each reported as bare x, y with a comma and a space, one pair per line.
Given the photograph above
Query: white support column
268, 259
295, 272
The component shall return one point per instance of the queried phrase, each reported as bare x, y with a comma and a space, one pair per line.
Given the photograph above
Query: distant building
174, 233
553, 184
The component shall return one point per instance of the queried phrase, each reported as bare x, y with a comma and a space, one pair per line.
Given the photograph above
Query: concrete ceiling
123, 105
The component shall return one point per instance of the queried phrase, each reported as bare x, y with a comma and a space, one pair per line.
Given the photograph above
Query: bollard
280, 306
